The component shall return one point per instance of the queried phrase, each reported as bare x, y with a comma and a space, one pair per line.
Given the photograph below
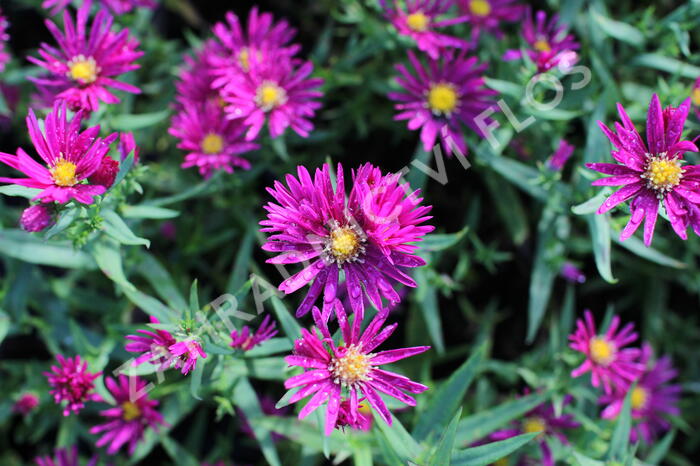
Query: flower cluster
487, 16
118, 7
71, 382
620, 369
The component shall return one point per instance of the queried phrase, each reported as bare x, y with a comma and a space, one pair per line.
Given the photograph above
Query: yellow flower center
270, 95
63, 173
542, 46
532, 425
351, 368
364, 408
212, 143
639, 398
663, 174
602, 351
83, 70
244, 58
696, 96
443, 98
130, 411
480, 7
418, 21
344, 244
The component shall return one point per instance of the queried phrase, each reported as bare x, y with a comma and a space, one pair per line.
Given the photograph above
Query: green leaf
245, 398
667, 64
148, 211
542, 277
152, 306
447, 398
479, 425
591, 205
196, 379
288, 323
133, 122
440, 242
620, 440
583, 460
636, 246
29, 248
398, 438
443, 453
107, 254
194, 297
115, 227
657, 454
505, 87
4, 325
161, 281
65, 219
599, 228
19, 191
487, 454
239, 274
619, 30
124, 168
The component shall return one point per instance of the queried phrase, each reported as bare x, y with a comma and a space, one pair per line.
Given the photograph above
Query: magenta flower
571, 273
487, 16
544, 419
349, 368
128, 420
118, 7
64, 457
607, 359
695, 96
4, 37
550, 45
127, 145
420, 21
71, 382
368, 237
261, 37
360, 420
440, 97
652, 399
106, 173
85, 66
188, 351
36, 218
196, 78
154, 346
246, 340
276, 91
651, 173
25, 404
72, 157
213, 141
558, 159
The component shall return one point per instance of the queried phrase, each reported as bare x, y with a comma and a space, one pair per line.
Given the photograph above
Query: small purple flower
571, 273
106, 173
195, 80
246, 340
127, 145
420, 21
72, 157
128, 420
559, 158
85, 66
542, 419
440, 97
118, 7
71, 382
652, 173
361, 420
607, 359
64, 457
154, 346
652, 399
25, 404
487, 16
369, 235
550, 45
4, 37
213, 141
349, 368
188, 351
36, 218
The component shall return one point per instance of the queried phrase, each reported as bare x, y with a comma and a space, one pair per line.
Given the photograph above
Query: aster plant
118, 7
72, 383
651, 172
489, 15
367, 237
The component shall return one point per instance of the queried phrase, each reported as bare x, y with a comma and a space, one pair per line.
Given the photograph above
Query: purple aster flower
72, 157
127, 145
64, 457
262, 36
246, 340
487, 16
652, 399
652, 173
368, 237
695, 97
36, 218
544, 419
440, 97
188, 351
118, 7
361, 420
571, 273
25, 404
71, 382
154, 346
607, 359
559, 158
128, 420
420, 21
349, 368
213, 141
106, 173
550, 45
195, 80
85, 66
4, 37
